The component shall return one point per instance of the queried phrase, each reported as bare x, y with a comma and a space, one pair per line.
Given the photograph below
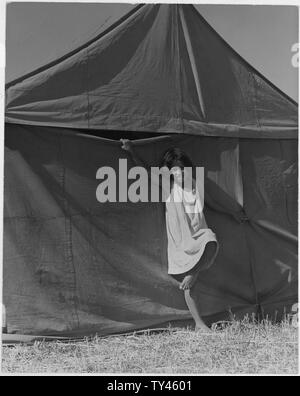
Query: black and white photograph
150, 191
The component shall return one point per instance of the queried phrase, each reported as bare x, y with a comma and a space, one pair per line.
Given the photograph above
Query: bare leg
204, 263
189, 281
208, 255
192, 306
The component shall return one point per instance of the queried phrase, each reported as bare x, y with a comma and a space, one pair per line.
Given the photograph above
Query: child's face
180, 174
177, 174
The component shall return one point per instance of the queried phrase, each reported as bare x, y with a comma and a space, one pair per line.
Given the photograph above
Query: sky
37, 33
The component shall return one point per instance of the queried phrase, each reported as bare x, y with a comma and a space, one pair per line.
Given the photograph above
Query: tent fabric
162, 69
74, 266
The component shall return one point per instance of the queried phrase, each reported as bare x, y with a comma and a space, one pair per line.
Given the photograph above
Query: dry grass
244, 348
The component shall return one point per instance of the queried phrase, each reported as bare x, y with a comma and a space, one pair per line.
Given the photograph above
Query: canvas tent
162, 76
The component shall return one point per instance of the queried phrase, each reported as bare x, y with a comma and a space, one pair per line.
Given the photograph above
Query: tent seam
192, 61
68, 232
88, 90
179, 67
243, 132
243, 60
250, 256
255, 101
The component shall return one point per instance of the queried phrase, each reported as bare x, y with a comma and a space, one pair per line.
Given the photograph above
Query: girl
192, 246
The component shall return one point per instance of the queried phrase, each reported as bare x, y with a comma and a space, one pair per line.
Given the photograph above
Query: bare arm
127, 146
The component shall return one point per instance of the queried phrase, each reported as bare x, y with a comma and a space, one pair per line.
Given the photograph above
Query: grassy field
242, 348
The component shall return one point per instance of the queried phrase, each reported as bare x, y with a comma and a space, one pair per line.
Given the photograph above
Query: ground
242, 348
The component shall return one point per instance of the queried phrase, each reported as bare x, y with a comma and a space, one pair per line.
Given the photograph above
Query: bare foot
204, 330
201, 328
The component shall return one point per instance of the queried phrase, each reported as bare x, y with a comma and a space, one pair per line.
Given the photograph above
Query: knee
212, 246
211, 249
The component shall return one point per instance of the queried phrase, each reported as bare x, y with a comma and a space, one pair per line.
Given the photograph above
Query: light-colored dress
186, 229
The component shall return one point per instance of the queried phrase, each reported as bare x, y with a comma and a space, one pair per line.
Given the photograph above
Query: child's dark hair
176, 157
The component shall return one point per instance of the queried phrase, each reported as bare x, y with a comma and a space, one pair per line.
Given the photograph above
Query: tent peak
161, 68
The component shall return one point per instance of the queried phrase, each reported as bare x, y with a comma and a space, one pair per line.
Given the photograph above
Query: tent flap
75, 266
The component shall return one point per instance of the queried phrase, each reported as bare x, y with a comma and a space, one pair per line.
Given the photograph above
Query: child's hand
188, 282
126, 144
